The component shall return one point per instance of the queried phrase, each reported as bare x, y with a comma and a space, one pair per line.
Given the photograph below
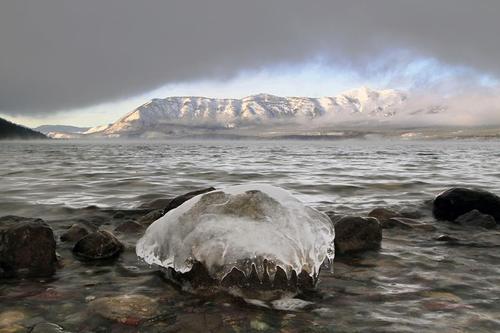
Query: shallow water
413, 283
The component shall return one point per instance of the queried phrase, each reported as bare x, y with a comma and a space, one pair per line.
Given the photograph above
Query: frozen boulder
247, 235
177, 201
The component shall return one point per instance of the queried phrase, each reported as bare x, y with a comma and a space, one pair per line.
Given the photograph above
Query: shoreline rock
27, 248
125, 309
98, 245
455, 202
357, 234
476, 218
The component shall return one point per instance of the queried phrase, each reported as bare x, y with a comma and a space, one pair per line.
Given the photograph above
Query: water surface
413, 283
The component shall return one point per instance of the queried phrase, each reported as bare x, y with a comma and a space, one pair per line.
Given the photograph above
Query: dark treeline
10, 130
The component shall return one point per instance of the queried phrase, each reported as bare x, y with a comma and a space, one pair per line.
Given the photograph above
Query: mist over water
414, 283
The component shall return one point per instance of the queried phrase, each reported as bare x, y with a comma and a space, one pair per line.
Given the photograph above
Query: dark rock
384, 214
476, 218
454, 202
177, 201
157, 203
151, 217
355, 234
129, 227
27, 248
411, 214
446, 238
98, 245
74, 233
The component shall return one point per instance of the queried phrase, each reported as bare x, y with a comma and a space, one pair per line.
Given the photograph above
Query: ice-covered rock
252, 228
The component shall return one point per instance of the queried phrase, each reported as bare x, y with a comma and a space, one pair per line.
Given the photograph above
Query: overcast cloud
66, 54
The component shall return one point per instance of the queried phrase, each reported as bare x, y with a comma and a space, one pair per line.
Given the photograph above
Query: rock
356, 234
11, 317
74, 233
125, 309
177, 201
384, 214
47, 328
454, 202
406, 223
151, 217
411, 214
27, 248
129, 227
255, 236
476, 218
446, 238
157, 203
98, 245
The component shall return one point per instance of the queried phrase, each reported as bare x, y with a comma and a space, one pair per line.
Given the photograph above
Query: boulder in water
248, 236
476, 218
125, 309
129, 227
98, 245
384, 214
454, 202
177, 201
357, 234
27, 248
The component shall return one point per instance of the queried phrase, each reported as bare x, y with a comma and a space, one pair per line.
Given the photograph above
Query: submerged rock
98, 245
455, 202
10, 318
476, 218
446, 238
151, 217
254, 236
356, 234
47, 328
177, 201
74, 233
129, 227
125, 309
160, 203
27, 248
384, 214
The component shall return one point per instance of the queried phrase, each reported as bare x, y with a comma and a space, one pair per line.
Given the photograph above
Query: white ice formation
239, 227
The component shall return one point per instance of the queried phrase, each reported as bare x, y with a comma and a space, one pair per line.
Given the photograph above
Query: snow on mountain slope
252, 110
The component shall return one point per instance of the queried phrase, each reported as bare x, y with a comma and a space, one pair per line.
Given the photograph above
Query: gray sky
69, 54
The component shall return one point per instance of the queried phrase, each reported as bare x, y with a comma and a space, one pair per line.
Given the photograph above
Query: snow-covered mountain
160, 115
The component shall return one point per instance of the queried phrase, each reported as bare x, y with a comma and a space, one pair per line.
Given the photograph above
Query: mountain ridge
161, 115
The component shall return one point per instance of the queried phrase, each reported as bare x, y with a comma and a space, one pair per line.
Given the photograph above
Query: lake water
413, 284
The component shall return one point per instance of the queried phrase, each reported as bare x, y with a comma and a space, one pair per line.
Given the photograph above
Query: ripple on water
414, 284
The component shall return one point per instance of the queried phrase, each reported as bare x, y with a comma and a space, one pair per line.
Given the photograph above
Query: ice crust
239, 227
